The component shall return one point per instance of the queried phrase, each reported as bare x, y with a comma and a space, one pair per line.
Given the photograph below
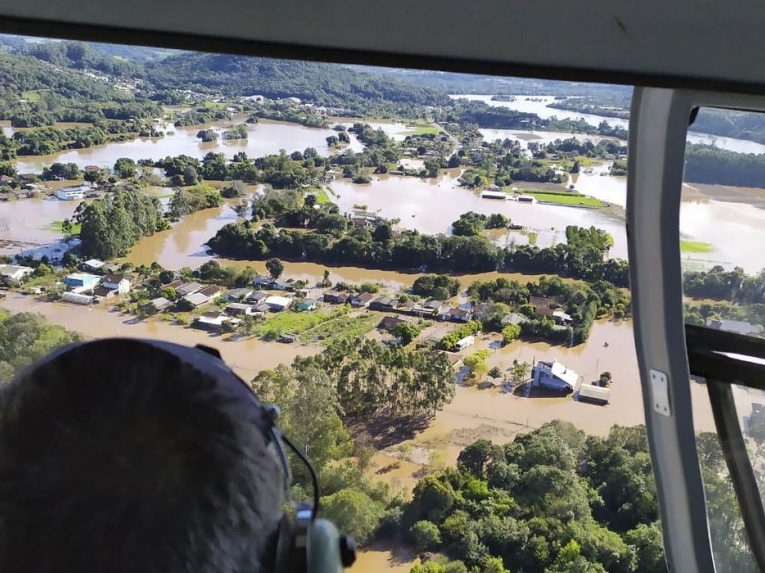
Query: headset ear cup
284, 546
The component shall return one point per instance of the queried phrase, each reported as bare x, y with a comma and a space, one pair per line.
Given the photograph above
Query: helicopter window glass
722, 224
251, 209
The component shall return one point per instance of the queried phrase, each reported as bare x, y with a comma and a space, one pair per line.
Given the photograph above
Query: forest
712, 165
112, 225
552, 500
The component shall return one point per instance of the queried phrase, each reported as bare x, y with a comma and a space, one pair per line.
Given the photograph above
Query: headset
303, 544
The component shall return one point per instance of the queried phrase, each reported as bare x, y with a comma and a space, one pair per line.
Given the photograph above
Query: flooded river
263, 138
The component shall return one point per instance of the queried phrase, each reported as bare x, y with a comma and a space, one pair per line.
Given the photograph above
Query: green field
421, 130
289, 322
322, 197
343, 325
56, 226
695, 247
566, 198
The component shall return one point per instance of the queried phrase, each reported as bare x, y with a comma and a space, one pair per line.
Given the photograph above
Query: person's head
119, 457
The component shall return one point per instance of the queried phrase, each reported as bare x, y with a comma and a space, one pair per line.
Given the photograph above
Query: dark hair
125, 459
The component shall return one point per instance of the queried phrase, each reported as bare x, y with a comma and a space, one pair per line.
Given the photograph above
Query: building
212, 321
306, 304
188, 288
239, 309
465, 342
526, 199
118, 283
384, 304
335, 297
160, 303
282, 285
260, 309
92, 266
82, 281
554, 376
459, 315
543, 306
196, 299
737, 326
260, 281
497, 195
258, 297
238, 294
361, 300
211, 291
455, 360
278, 303
76, 298
389, 323
75, 193
561, 317
14, 273
101, 292
594, 393
5, 180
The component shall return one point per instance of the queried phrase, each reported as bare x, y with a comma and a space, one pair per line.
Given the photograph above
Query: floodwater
431, 205
247, 356
30, 219
540, 108
264, 138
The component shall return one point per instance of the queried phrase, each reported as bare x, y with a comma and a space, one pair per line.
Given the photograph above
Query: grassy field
322, 197
31, 97
566, 199
289, 322
56, 226
343, 325
695, 247
421, 130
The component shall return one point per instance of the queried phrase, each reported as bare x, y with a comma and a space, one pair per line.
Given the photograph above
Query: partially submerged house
594, 394
737, 326
554, 376
14, 273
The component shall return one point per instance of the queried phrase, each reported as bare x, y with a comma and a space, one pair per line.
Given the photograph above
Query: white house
278, 303
196, 299
116, 282
75, 193
92, 265
554, 376
14, 273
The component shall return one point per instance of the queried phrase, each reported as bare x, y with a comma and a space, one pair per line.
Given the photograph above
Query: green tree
169, 293
425, 535
510, 332
649, 548
495, 372
476, 457
125, 168
353, 512
275, 268
406, 331
605, 379
519, 371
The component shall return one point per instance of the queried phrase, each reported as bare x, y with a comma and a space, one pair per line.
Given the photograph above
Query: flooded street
247, 356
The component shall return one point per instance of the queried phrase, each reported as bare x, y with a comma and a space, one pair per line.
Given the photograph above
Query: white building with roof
554, 376
278, 303
15, 273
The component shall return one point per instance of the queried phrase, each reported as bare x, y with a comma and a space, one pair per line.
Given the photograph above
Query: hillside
83, 56
325, 84
36, 93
